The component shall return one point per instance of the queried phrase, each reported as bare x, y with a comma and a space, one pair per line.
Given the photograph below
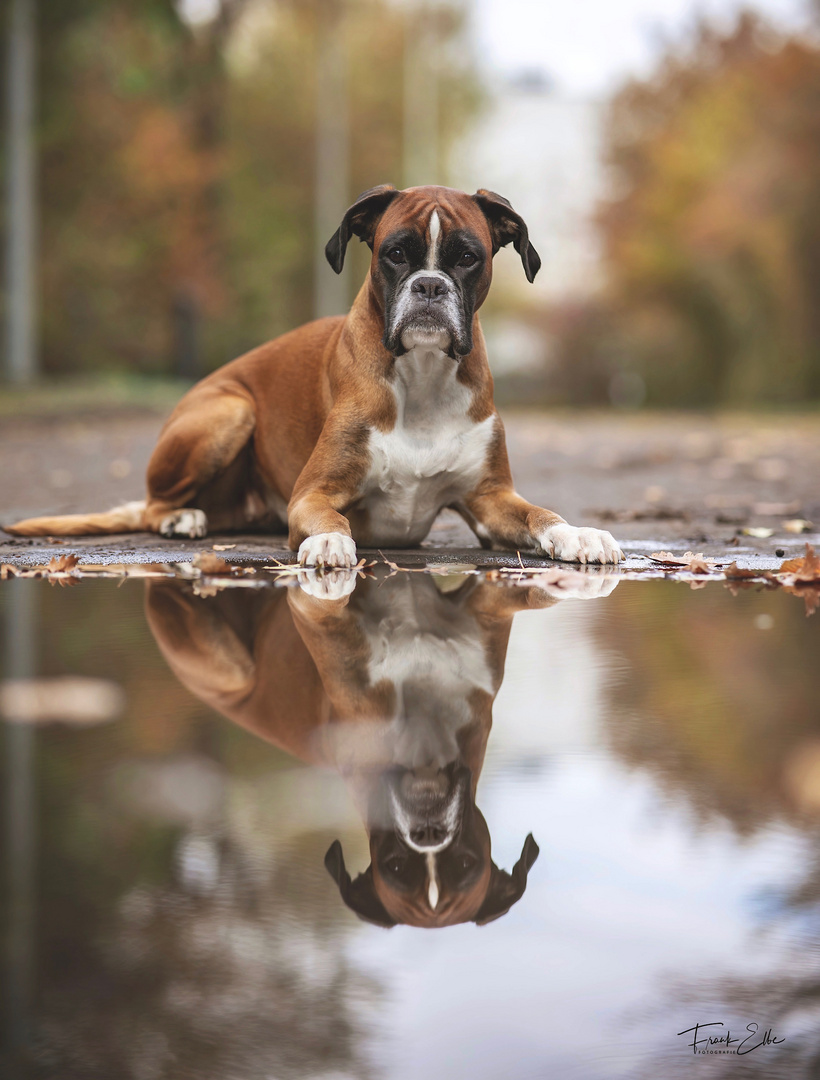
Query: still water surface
439, 827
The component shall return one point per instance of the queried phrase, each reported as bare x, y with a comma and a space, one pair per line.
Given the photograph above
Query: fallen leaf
209, 563
7, 571
805, 569
696, 563
810, 594
61, 564
758, 532
739, 573
798, 525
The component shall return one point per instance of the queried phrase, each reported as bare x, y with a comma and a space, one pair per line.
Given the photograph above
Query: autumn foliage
177, 169
711, 232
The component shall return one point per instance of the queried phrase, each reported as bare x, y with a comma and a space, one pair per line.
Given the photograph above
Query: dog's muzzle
427, 312
426, 806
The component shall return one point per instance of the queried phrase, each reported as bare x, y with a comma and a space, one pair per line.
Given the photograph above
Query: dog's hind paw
191, 523
328, 549
569, 544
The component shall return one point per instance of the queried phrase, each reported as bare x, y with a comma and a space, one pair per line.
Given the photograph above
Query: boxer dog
392, 687
360, 429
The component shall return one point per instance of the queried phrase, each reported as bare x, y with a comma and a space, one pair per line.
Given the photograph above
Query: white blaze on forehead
432, 888
435, 232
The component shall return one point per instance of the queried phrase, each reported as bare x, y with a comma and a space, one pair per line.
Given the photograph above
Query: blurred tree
712, 238
177, 165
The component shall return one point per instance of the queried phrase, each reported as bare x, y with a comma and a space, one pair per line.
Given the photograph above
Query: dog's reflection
392, 685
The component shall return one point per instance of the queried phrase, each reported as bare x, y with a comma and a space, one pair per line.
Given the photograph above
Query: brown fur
293, 670
287, 424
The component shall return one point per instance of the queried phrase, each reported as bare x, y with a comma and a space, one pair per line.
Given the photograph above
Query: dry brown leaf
739, 573
696, 563
798, 525
61, 564
209, 563
8, 571
810, 594
805, 569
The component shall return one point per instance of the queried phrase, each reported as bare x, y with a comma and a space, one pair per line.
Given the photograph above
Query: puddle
172, 811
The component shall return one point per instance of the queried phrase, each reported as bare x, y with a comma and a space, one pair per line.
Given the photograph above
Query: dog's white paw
328, 549
569, 544
580, 584
191, 523
328, 585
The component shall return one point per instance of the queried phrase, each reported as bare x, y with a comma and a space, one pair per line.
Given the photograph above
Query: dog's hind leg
202, 438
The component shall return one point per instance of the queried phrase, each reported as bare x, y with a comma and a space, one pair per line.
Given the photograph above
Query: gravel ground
656, 480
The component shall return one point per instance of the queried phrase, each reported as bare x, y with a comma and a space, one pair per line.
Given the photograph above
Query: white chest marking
434, 662
434, 455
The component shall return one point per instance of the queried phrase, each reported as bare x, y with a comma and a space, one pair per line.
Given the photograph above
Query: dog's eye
466, 862
396, 256
467, 258
395, 866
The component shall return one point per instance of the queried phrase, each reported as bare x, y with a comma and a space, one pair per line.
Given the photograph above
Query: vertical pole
421, 96
21, 357
19, 827
331, 291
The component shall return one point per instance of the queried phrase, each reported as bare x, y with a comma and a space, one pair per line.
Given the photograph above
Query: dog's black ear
359, 895
360, 220
505, 889
505, 226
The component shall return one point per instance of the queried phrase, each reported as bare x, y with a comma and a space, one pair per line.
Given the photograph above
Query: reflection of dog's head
432, 259
430, 855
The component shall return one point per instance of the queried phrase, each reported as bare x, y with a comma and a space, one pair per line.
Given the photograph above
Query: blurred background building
175, 167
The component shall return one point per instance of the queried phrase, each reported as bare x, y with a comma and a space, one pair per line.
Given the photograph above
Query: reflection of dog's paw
191, 523
329, 585
328, 549
569, 544
579, 585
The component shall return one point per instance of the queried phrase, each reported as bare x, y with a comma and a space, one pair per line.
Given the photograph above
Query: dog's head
432, 259
430, 855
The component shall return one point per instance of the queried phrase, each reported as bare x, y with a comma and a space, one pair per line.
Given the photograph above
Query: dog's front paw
328, 549
329, 585
191, 523
569, 544
579, 584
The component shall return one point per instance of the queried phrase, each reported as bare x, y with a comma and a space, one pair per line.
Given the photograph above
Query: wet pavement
655, 480
449, 824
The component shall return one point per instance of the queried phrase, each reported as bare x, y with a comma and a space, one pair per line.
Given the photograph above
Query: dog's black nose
432, 288
428, 835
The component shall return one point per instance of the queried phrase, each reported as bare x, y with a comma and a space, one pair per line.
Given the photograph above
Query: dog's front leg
326, 487
503, 518
320, 532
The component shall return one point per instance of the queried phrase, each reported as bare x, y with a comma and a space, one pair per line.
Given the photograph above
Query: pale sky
589, 46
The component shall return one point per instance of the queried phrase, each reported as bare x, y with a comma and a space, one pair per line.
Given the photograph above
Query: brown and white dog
360, 429
393, 688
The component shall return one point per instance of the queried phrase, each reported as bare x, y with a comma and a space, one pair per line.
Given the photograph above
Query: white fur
328, 549
432, 888
571, 544
435, 233
434, 455
434, 665
329, 585
448, 307
191, 523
